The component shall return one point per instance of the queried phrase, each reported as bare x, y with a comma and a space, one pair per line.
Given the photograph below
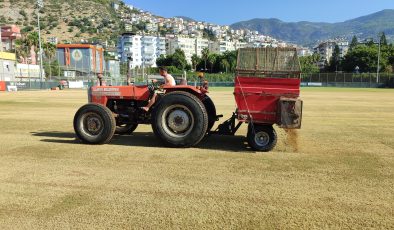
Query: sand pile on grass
292, 139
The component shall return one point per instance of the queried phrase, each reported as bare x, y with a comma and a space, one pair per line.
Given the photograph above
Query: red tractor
267, 87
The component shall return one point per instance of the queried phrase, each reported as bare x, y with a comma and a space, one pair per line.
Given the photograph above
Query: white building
239, 45
142, 50
188, 45
201, 43
129, 47
326, 50
220, 47
302, 52
148, 51
161, 46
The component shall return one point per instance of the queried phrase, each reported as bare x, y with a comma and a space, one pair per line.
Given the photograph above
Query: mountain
307, 33
68, 20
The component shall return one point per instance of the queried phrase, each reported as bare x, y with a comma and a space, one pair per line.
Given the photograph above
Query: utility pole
40, 4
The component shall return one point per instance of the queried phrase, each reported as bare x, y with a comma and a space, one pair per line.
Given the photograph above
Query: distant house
8, 36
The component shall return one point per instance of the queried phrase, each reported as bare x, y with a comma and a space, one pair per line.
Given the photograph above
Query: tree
309, 63
211, 60
49, 50
335, 61
52, 69
204, 56
162, 61
383, 39
195, 61
231, 57
179, 59
22, 50
208, 34
224, 65
354, 42
365, 57
32, 41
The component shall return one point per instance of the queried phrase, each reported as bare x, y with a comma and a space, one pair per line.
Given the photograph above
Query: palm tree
204, 56
21, 50
212, 60
224, 64
32, 42
49, 51
195, 61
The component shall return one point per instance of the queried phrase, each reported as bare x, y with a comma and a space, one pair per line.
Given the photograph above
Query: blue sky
229, 11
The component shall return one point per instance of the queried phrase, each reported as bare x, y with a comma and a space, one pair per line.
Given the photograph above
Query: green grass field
338, 173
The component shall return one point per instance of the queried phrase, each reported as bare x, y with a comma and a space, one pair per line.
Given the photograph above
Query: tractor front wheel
180, 120
94, 124
261, 137
125, 129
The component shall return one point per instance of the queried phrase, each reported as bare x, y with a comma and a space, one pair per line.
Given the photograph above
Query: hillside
68, 20
309, 32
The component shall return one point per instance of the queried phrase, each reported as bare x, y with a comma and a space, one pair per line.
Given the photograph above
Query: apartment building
326, 50
142, 50
201, 43
129, 47
148, 51
188, 45
220, 47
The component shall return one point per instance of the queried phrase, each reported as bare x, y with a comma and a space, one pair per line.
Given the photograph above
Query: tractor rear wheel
125, 129
180, 120
211, 110
261, 137
94, 124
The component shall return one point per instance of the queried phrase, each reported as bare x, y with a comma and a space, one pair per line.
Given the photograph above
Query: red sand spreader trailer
267, 89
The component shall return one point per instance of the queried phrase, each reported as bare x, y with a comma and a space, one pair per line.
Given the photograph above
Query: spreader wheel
94, 124
125, 129
261, 137
180, 120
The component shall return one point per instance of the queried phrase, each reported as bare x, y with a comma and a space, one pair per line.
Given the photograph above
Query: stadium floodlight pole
143, 55
1, 41
40, 4
377, 71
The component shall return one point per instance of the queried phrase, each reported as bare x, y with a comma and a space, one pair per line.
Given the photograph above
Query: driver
168, 81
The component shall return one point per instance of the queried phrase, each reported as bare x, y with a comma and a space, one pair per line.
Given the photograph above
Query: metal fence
361, 80
54, 74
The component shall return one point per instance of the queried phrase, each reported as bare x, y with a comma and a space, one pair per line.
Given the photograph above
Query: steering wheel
155, 86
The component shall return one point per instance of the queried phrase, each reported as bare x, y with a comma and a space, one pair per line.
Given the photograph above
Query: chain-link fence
54, 74
361, 80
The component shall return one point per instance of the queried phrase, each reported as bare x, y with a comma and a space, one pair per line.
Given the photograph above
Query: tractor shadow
148, 139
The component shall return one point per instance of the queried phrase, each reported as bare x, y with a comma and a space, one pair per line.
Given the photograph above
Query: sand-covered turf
337, 172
